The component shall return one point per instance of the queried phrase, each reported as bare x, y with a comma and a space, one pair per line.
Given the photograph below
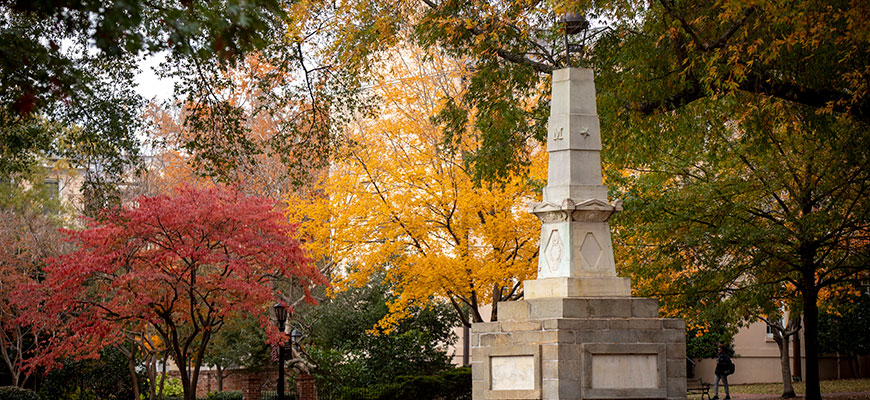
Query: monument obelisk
576, 251
578, 333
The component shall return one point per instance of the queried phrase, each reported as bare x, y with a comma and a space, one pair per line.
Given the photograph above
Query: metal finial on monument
574, 23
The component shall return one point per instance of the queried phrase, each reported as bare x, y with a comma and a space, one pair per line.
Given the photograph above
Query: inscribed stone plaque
624, 371
512, 372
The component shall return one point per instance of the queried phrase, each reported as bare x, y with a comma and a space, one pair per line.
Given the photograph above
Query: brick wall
305, 387
252, 383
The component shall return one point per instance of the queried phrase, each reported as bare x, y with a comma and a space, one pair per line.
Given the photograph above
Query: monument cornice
591, 210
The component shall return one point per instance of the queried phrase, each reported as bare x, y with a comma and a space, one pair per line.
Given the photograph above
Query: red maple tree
179, 265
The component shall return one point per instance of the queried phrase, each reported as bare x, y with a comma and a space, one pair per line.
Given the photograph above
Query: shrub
105, 378
228, 395
454, 384
172, 387
17, 393
270, 396
457, 383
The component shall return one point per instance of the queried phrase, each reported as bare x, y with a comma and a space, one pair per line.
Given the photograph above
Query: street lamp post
280, 319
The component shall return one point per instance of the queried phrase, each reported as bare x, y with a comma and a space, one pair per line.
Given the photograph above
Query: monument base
577, 287
579, 348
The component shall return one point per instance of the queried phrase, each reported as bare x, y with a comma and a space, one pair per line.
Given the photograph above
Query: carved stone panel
590, 252
624, 371
555, 250
509, 371
512, 372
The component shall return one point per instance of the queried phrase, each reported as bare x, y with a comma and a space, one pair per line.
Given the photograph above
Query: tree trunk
194, 379
787, 388
131, 365
220, 378
853, 365
162, 377
187, 391
197, 364
496, 294
782, 336
811, 334
466, 345
188, 385
159, 387
798, 371
151, 372
13, 361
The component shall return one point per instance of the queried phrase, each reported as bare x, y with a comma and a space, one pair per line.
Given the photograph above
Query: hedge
17, 393
454, 384
228, 395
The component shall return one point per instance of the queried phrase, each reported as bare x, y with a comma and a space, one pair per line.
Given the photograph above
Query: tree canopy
29, 223
177, 265
667, 53
396, 201
67, 84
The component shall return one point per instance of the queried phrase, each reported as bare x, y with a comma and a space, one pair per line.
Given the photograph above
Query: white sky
148, 84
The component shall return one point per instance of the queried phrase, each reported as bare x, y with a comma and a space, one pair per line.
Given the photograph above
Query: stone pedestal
579, 348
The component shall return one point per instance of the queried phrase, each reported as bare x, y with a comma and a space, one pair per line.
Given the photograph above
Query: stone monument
578, 334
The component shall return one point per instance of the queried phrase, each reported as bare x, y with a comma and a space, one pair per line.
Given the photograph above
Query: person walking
724, 367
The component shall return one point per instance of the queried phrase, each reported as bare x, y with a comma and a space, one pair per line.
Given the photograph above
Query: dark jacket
722, 363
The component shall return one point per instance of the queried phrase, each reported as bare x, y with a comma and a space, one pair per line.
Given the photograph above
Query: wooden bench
698, 386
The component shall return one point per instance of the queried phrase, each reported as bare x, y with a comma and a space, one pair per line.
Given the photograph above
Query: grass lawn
837, 386
775, 389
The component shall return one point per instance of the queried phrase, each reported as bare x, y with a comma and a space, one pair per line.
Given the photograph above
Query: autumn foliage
196, 143
397, 201
179, 265
29, 221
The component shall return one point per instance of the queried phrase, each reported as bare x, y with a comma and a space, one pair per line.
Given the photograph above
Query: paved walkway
839, 396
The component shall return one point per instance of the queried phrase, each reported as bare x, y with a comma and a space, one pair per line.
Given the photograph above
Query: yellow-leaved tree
396, 202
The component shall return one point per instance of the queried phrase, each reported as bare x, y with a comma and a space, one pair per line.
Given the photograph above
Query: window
770, 330
52, 189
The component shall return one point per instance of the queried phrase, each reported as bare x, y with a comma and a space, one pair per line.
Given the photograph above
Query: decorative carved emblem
584, 131
591, 215
554, 251
553, 216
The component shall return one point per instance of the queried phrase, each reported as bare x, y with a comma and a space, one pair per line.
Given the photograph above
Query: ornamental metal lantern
280, 315
296, 338
574, 23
